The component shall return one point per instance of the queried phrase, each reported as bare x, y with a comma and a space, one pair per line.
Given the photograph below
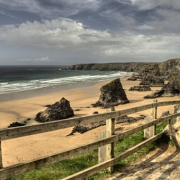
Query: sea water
23, 78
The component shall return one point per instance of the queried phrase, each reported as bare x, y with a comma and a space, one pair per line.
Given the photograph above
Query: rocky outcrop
167, 67
57, 111
132, 78
16, 124
128, 119
165, 113
119, 120
128, 67
152, 81
112, 94
154, 94
157, 69
176, 108
140, 88
173, 131
151, 75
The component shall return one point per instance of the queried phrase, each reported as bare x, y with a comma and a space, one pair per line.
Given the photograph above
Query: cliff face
128, 67
165, 67
170, 65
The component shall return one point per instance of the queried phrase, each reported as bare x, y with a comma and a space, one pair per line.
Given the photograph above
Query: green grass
67, 167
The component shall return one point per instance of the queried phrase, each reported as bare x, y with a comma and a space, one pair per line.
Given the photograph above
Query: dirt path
161, 163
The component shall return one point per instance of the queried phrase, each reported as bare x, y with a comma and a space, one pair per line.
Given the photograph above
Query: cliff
170, 65
128, 67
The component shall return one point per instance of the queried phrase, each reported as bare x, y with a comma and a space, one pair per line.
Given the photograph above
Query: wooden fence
111, 137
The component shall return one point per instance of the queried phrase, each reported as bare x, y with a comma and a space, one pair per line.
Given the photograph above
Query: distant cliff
170, 65
128, 67
165, 67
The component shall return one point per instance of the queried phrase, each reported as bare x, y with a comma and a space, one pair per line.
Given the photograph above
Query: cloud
43, 59
150, 4
57, 34
68, 36
50, 8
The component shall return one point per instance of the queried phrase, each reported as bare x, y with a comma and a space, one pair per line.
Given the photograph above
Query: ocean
25, 78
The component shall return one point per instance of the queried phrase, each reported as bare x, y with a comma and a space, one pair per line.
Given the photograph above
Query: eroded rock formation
16, 124
57, 111
140, 88
112, 94
172, 88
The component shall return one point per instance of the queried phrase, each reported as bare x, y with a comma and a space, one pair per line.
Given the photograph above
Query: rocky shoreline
150, 75
165, 66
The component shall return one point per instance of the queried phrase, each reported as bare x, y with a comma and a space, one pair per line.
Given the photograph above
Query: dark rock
157, 82
95, 112
140, 88
123, 119
154, 94
79, 129
16, 124
142, 116
112, 94
176, 108
152, 81
77, 110
57, 111
48, 105
132, 78
165, 113
167, 67
151, 75
173, 86
171, 89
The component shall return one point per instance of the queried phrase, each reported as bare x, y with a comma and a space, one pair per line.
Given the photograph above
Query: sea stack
112, 94
59, 110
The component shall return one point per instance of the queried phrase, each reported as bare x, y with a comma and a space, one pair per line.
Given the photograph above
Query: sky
66, 32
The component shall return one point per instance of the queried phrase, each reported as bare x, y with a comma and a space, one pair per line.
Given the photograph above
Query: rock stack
112, 94
57, 111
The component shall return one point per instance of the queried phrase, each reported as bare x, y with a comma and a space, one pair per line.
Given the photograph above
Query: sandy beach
27, 148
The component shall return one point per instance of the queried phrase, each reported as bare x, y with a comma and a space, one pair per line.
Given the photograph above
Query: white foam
35, 84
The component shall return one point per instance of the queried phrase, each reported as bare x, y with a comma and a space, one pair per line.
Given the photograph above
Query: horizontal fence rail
11, 133
95, 169
61, 124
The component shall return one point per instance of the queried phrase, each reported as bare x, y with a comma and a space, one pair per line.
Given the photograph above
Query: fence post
102, 149
154, 115
110, 130
151, 131
1, 164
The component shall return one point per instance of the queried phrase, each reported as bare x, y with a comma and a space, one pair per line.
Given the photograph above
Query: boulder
132, 78
90, 126
57, 111
165, 113
16, 124
140, 88
176, 108
152, 81
112, 94
173, 131
125, 118
154, 94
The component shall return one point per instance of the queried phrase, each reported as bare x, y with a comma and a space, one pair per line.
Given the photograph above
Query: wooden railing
111, 137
